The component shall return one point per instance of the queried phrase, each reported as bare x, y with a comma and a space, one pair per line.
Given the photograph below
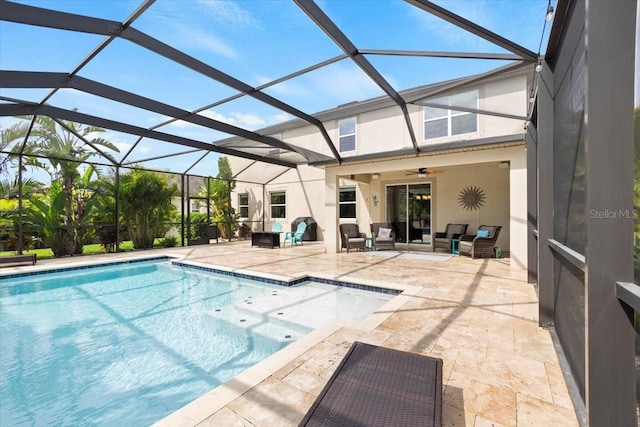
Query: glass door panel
409, 212
419, 208
397, 211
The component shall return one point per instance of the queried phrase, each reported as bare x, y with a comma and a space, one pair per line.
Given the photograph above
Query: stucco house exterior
478, 147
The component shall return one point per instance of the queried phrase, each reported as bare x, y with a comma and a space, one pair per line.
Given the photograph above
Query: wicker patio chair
351, 237
477, 246
453, 231
381, 242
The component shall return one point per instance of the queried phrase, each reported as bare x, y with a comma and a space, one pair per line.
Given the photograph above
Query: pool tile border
286, 282
84, 267
290, 282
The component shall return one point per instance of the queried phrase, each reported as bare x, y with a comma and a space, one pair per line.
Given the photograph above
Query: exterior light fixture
539, 66
550, 13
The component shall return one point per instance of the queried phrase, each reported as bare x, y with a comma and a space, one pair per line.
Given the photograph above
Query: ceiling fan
424, 172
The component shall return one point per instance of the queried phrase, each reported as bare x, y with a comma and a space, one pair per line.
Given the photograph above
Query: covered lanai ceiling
175, 84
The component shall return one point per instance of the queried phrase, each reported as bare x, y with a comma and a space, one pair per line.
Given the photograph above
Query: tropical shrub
145, 205
169, 242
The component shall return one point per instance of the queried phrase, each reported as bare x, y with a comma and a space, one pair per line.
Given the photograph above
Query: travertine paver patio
479, 316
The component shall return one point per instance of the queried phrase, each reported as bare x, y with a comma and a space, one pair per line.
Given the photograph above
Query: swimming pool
129, 344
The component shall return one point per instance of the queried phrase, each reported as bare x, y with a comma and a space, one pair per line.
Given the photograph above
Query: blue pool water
127, 345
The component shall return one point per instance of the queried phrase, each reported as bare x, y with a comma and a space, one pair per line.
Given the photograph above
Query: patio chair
351, 237
276, 227
452, 231
295, 236
482, 243
385, 239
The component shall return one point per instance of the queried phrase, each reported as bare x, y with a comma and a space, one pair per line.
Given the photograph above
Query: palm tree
218, 191
65, 152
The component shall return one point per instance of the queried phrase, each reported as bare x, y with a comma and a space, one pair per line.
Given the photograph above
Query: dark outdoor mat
377, 386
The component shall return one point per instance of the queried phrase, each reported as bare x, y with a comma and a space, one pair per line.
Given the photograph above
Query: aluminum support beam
544, 173
149, 159
474, 28
442, 54
339, 38
27, 110
23, 14
629, 293
468, 81
31, 80
610, 34
532, 204
471, 110
86, 141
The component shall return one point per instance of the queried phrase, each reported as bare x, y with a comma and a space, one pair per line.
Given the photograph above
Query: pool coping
45, 269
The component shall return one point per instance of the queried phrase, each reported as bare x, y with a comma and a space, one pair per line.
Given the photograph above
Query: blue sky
256, 42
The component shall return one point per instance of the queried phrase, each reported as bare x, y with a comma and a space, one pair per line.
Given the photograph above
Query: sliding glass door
409, 211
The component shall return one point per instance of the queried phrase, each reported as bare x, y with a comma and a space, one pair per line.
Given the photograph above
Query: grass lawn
86, 250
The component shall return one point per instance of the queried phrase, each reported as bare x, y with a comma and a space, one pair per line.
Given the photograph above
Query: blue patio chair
276, 227
296, 236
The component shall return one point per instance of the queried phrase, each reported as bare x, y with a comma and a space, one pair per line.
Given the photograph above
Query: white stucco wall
504, 188
385, 130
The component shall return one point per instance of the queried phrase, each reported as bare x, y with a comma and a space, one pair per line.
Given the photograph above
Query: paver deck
480, 316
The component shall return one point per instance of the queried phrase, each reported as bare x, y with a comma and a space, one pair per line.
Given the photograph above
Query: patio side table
454, 246
368, 243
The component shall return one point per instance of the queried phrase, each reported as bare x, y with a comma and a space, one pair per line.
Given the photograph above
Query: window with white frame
195, 206
243, 205
439, 122
278, 201
347, 135
348, 202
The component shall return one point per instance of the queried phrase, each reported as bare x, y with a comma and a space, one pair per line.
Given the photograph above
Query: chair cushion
482, 233
384, 232
465, 244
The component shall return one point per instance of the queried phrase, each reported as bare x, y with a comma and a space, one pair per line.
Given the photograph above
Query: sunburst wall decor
471, 198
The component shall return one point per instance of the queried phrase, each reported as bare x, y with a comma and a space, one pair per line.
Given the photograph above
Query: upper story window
347, 134
439, 122
278, 203
348, 202
243, 205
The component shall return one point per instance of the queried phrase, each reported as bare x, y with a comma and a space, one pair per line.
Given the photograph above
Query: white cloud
179, 123
204, 40
280, 118
199, 34
251, 121
246, 120
497, 16
219, 117
229, 13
